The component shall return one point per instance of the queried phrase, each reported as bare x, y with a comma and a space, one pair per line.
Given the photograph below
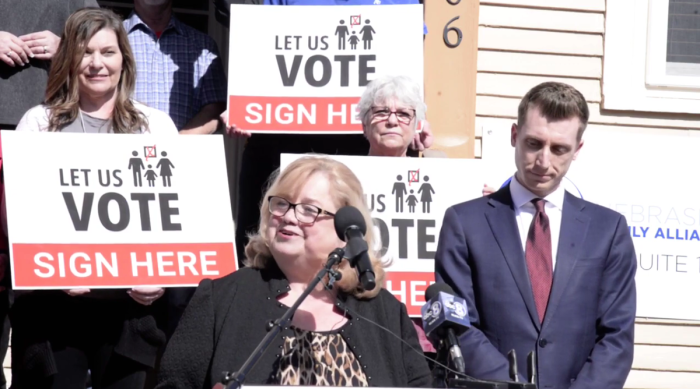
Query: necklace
82, 122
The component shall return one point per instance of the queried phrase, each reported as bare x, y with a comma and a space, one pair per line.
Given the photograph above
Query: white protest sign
304, 68
408, 198
116, 211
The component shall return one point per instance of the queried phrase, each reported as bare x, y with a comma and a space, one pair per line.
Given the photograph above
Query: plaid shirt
178, 73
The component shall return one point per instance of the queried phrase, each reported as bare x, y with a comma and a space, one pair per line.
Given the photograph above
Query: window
683, 38
652, 56
674, 44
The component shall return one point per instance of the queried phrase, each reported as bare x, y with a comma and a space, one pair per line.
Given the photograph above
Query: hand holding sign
77, 292
424, 139
233, 130
146, 295
487, 190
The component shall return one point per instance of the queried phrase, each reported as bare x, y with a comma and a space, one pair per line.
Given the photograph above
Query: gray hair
402, 88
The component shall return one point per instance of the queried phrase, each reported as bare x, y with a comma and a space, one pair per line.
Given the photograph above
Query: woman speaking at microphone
327, 344
57, 336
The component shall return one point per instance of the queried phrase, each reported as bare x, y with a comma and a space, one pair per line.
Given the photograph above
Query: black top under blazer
227, 318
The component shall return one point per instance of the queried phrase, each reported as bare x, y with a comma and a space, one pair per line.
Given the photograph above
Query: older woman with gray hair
391, 109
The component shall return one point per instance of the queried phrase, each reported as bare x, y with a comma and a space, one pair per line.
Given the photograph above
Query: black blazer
227, 317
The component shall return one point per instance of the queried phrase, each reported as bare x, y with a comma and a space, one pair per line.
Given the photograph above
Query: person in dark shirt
330, 340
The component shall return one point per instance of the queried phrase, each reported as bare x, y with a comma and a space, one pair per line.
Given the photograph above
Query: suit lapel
502, 221
574, 226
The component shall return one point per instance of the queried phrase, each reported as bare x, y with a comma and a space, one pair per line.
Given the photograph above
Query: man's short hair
556, 101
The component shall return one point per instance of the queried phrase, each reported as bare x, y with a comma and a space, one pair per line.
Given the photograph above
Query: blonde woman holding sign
57, 336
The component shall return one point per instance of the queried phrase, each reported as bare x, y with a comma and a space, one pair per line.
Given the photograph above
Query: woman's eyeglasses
305, 213
403, 115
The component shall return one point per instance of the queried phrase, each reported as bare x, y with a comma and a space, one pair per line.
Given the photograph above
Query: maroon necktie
538, 254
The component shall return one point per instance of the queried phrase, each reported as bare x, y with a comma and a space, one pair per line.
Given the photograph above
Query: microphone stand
235, 380
439, 372
442, 378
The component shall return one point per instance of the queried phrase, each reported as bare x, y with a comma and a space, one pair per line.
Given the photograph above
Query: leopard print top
318, 359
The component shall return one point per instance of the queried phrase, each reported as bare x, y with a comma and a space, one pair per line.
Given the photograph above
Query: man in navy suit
542, 270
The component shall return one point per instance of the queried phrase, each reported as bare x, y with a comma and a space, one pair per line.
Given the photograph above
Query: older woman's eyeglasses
403, 115
305, 213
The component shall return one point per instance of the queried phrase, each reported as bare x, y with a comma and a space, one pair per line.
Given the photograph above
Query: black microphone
351, 228
445, 318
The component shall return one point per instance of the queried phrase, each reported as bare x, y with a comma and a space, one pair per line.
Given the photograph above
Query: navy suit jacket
587, 337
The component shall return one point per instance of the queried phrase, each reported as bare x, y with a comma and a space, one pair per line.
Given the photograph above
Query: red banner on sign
409, 287
63, 266
295, 114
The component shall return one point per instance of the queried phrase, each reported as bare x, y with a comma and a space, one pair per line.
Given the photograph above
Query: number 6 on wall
446, 30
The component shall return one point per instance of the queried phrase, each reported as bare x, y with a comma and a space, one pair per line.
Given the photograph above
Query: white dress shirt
525, 212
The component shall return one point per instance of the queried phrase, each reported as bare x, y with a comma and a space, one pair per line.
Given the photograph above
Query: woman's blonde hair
62, 97
346, 189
